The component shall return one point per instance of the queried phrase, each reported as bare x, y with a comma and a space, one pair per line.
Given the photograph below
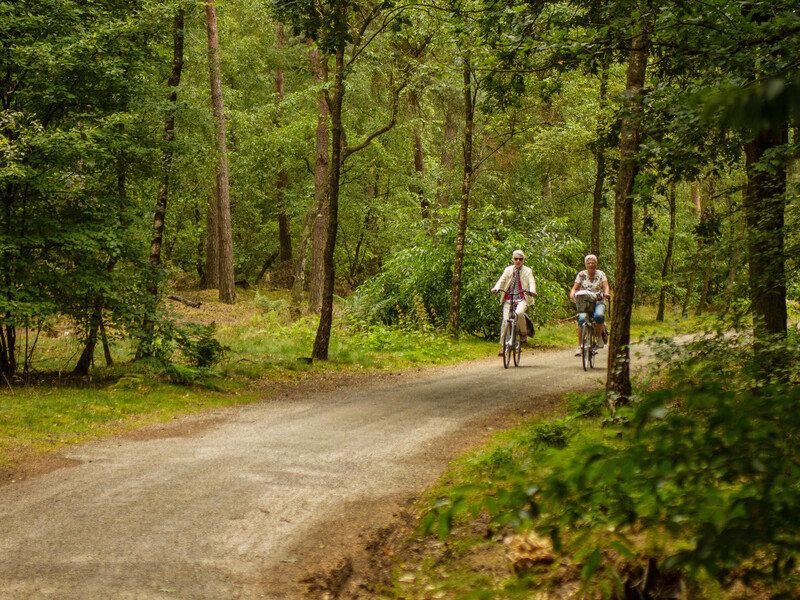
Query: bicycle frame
512, 348
588, 338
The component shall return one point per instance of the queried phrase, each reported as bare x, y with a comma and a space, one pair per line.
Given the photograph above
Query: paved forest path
246, 502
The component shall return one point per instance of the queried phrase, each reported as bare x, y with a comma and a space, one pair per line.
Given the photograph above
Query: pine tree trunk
419, 157
323, 337
315, 211
318, 213
227, 290
466, 186
211, 279
662, 298
618, 381
764, 206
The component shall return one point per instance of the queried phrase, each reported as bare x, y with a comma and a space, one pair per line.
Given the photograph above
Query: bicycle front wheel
507, 348
517, 348
592, 348
586, 347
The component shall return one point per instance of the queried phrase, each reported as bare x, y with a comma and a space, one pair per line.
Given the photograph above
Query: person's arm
531, 284
500, 282
574, 290
606, 289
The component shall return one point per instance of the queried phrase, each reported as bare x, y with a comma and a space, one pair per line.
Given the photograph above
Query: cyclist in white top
516, 278
594, 280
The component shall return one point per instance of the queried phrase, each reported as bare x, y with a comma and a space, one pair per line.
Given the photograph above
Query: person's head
519, 257
590, 260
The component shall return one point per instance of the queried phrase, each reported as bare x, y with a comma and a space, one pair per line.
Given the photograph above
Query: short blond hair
588, 256
518, 252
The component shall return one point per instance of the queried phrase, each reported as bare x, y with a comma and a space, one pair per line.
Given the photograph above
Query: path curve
259, 496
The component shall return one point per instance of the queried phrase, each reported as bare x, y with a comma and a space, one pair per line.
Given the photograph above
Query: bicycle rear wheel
586, 347
507, 347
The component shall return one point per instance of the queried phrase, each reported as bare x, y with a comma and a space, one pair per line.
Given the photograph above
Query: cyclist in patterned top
517, 278
594, 280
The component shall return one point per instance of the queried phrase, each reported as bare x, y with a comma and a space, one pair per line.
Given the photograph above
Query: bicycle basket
584, 302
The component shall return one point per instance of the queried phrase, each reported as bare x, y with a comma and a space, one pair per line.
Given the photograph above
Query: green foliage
703, 477
200, 346
590, 404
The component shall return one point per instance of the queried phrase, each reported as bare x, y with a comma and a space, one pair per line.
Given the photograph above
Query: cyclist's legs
599, 319
506, 309
521, 308
581, 321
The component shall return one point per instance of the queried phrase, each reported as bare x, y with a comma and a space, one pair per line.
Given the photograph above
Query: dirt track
284, 499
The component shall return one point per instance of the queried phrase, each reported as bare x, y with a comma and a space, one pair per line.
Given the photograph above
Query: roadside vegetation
221, 355
690, 491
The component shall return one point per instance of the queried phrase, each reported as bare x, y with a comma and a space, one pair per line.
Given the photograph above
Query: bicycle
584, 302
512, 348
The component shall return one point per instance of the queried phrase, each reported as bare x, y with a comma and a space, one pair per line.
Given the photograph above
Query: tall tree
466, 186
334, 25
162, 197
227, 290
618, 382
316, 210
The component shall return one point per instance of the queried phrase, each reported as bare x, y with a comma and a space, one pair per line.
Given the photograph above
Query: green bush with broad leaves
417, 279
700, 477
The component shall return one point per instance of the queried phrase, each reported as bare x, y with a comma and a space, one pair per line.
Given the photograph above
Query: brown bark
466, 187
323, 337
446, 161
618, 381
315, 223
211, 279
169, 137
227, 289
419, 156
662, 298
764, 205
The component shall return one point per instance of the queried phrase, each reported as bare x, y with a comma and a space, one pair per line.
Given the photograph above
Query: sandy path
258, 497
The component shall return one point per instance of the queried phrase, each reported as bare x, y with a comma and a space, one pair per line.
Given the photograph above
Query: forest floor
307, 494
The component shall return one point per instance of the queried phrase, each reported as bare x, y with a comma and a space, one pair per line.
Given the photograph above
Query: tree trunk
163, 189
764, 205
169, 137
598, 201
446, 162
106, 348
419, 157
211, 279
315, 223
227, 289
285, 269
662, 298
466, 186
323, 337
697, 211
618, 381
